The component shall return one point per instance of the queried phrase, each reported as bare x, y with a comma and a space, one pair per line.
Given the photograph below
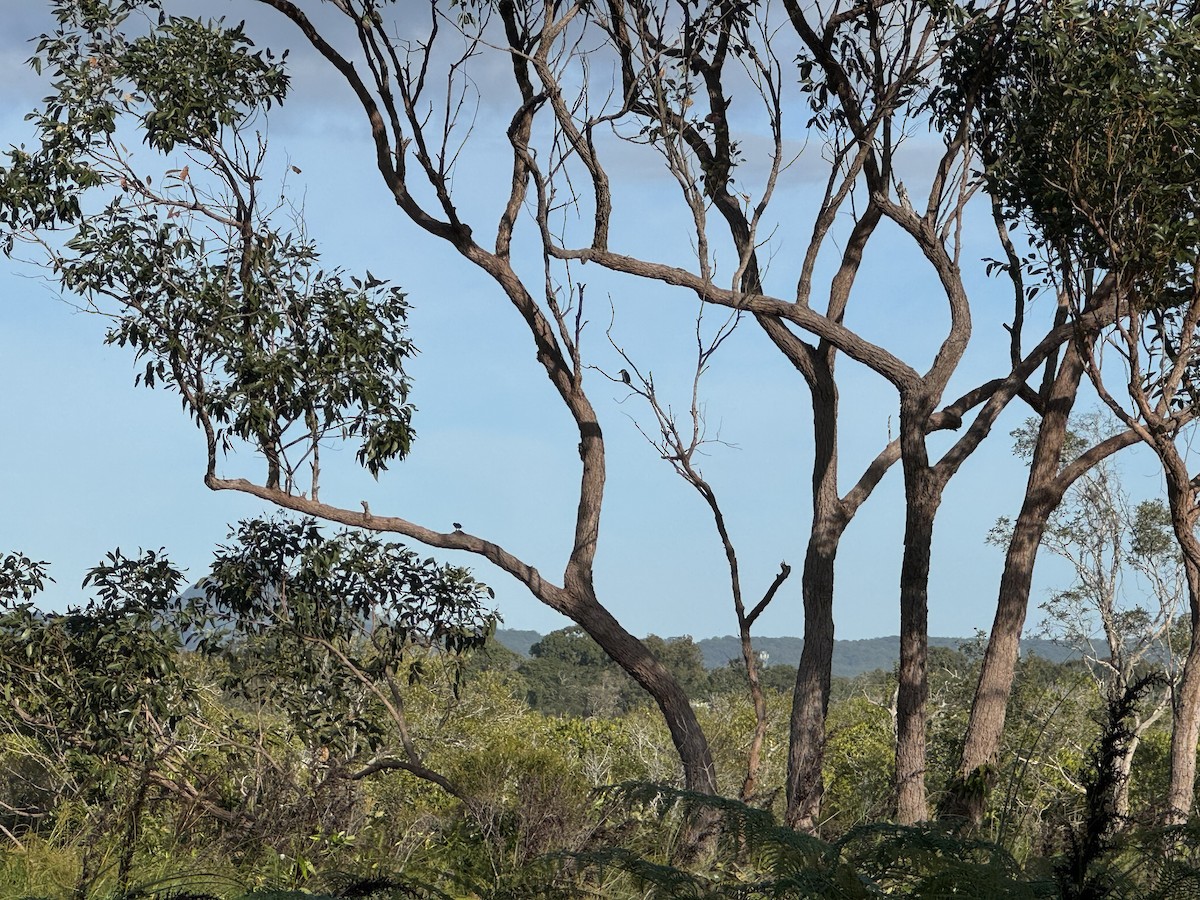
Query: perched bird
457, 526
366, 510
625, 376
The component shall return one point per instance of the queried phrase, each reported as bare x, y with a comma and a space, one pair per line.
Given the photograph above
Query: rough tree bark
810, 702
967, 794
922, 496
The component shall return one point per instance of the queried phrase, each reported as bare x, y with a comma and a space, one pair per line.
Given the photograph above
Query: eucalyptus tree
866, 73
869, 75
669, 59
1056, 462
1052, 472
1092, 134
982, 55
1120, 609
95, 693
267, 349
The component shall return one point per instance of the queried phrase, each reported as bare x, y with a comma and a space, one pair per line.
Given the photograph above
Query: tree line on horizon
851, 656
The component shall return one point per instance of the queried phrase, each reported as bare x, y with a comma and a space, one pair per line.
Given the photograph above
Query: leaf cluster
222, 305
335, 619
1086, 116
271, 348
103, 72
21, 578
102, 678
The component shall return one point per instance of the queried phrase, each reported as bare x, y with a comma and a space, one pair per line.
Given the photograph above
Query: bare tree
680, 448
863, 67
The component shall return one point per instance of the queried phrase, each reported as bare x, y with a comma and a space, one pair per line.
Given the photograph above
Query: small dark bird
457, 526
625, 376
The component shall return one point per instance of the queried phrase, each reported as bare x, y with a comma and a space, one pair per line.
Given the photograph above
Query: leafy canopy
318, 624
184, 251
1089, 125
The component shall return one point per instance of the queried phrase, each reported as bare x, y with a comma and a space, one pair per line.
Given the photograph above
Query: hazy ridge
849, 657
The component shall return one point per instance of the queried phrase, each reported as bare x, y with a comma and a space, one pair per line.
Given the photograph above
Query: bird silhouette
625, 376
457, 526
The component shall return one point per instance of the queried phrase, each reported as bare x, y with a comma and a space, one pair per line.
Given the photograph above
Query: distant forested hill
516, 640
852, 657
849, 657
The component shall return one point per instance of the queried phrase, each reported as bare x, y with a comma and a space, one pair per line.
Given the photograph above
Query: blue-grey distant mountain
849, 657
854, 657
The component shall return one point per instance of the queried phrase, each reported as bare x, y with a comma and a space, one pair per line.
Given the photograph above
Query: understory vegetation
161, 745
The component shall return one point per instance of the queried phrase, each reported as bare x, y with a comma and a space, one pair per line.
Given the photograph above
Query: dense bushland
147, 755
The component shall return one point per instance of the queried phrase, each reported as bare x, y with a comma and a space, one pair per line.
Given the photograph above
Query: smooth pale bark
1124, 766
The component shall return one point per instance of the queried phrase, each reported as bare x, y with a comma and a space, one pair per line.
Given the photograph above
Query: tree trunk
1181, 791
578, 600
1124, 766
810, 702
754, 754
699, 771
967, 794
922, 495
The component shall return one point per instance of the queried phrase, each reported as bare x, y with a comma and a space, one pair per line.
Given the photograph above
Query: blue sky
89, 462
